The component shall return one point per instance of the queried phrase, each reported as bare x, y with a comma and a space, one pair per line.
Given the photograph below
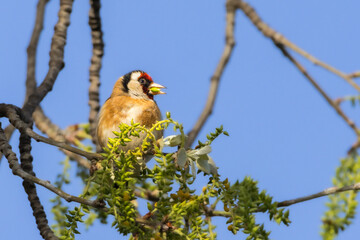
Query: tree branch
215, 79
328, 191
5, 148
56, 62
280, 39
332, 190
354, 147
30, 188
42, 122
89, 155
25, 141
13, 113
97, 53
15, 116
280, 42
321, 91
45, 125
31, 58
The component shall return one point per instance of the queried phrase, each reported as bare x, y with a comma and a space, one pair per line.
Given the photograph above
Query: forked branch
280, 39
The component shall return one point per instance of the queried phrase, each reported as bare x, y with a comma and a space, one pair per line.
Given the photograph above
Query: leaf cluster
342, 206
175, 208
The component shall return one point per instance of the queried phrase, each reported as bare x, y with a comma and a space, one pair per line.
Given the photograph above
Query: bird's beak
155, 89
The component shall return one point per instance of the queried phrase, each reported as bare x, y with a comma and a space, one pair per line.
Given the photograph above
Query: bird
131, 100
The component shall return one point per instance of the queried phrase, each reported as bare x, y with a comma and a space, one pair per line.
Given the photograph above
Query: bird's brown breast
123, 109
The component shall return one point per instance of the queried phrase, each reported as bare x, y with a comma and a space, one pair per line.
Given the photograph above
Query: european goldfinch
132, 98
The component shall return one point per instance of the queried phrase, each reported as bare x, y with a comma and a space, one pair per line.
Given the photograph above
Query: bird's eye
142, 81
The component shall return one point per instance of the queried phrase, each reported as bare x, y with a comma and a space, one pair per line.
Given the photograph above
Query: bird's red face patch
145, 87
146, 76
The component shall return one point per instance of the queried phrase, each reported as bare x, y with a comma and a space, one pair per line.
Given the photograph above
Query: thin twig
17, 170
89, 155
321, 91
354, 147
280, 39
328, 191
215, 79
147, 194
14, 113
44, 124
332, 190
97, 53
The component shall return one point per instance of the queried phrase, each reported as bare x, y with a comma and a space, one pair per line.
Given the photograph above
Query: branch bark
25, 141
31, 58
5, 148
328, 191
30, 188
97, 53
281, 42
280, 39
44, 124
215, 79
56, 62
16, 118
32, 100
321, 91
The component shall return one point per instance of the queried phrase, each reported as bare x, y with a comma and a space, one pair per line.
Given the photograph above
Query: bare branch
31, 58
97, 53
45, 125
89, 155
215, 79
321, 91
32, 48
280, 39
42, 122
354, 147
17, 170
30, 188
56, 62
332, 190
25, 141
15, 114
328, 191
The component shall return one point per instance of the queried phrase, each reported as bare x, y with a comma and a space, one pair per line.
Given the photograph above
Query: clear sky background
282, 132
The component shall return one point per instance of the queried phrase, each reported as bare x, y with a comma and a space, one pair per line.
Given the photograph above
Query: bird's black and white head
137, 84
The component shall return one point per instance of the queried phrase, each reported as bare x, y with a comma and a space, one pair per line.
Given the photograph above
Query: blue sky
282, 132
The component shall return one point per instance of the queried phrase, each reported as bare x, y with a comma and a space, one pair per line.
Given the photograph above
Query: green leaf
193, 169
181, 157
173, 140
213, 168
204, 150
203, 165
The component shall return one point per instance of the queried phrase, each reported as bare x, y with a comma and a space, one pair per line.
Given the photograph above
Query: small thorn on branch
354, 75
